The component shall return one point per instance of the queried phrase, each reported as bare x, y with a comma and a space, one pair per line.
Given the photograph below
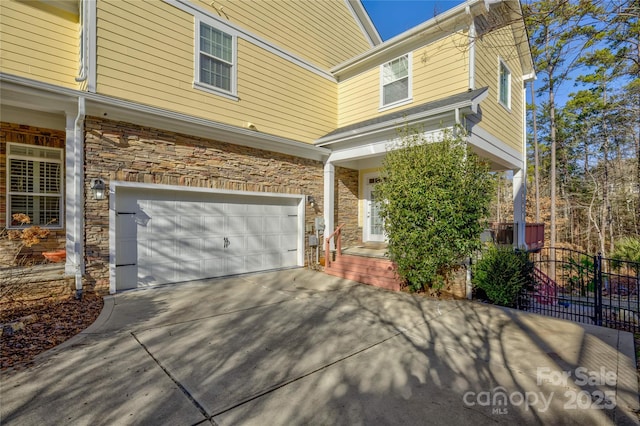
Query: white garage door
167, 236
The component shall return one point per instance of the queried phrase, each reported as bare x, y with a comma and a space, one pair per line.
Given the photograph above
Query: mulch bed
30, 328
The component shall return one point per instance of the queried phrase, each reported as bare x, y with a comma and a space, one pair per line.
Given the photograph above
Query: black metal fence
590, 289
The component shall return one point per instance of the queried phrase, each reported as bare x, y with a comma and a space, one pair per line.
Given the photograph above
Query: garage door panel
215, 267
235, 209
161, 225
190, 247
256, 243
236, 225
289, 241
254, 262
178, 236
193, 270
289, 257
213, 225
158, 249
255, 225
192, 225
235, 265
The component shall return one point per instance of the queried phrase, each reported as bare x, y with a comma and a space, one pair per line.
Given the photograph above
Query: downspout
78, 173
83, 43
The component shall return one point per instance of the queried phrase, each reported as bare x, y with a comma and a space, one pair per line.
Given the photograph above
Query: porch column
519, 208
329, 200
74, 192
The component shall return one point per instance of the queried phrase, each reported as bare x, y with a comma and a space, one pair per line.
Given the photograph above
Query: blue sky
392, 17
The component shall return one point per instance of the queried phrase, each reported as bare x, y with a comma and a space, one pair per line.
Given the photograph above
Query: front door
373, 229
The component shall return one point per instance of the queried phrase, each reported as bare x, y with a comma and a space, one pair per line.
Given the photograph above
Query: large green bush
436, 195
503, 274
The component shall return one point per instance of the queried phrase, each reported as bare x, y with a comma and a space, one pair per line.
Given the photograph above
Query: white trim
382, 106
366, 229
60, 195
115, 185
509, 157
364, 22
47, 97
200, 13
92, 50
472, 56
329, 175
501, 63
197, 84
411, 119
397, 43
384, 143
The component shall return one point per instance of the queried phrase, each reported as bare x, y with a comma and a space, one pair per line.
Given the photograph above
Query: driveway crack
180, 386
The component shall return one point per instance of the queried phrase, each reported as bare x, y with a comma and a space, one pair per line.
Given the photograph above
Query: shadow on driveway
302, 347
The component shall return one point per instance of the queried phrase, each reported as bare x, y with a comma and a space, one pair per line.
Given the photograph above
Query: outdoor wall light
311, 200
99, 189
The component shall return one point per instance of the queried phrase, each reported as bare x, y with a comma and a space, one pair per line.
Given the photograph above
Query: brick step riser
382, 282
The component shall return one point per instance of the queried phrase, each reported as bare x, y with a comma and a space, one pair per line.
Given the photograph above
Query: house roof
451, 20
466, 99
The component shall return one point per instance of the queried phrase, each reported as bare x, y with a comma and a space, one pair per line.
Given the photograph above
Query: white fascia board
47, 97
231, 28
115, 184
505, 155
471, 106
364, 22
434, 24
379, 147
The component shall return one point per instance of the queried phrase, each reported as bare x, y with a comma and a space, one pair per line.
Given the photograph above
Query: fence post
597, 277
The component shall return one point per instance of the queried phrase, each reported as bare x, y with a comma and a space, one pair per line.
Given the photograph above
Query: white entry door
173, 236
374, 225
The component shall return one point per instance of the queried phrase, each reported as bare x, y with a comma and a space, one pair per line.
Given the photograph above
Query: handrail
337, 234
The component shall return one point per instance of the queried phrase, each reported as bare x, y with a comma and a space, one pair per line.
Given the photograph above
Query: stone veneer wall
127, 152
12, 132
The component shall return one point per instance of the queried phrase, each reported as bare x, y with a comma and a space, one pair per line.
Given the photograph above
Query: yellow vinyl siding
322, 32
39, 42
496, 119
439, 70
152, 65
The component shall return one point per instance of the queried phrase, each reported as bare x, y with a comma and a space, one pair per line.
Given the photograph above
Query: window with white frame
215, 60
504, 86
34, 184
395, 81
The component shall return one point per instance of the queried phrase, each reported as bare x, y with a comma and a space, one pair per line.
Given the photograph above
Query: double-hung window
34, 184
395, 82
215, 60
504, 86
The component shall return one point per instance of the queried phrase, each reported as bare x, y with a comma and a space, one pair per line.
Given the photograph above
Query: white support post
519, 208
329, 200
74, 193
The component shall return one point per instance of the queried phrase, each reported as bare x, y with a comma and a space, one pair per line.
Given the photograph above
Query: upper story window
216, 60
504, 86
395, 82
34, 184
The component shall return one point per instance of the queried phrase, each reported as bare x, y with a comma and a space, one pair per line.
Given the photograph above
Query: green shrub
436, 195
503, 274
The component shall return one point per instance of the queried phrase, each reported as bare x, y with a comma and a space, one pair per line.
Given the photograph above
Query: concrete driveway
301, 347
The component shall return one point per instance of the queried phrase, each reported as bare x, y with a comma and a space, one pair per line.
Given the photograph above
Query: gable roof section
451, 20
364, 21
469, 99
